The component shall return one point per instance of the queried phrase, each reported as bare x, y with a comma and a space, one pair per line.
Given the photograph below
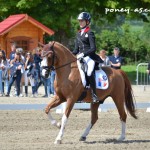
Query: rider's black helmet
84, 16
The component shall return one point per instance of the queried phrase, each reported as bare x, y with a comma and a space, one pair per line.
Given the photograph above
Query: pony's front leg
53, 103
94, 118
68, 109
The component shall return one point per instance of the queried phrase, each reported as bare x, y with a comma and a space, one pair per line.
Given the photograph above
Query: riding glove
80, 55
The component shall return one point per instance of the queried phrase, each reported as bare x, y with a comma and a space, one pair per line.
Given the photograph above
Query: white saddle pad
100, 78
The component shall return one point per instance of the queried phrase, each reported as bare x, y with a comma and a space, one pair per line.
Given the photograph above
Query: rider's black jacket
85, 43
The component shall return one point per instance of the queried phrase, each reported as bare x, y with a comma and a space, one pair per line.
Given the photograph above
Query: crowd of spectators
21, 69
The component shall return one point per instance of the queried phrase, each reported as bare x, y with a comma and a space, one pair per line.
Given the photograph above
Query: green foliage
110, 29
131, 72
132, 46
107, 40
145, 36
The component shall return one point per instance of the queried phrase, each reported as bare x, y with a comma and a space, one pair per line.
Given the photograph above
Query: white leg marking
61, 132
87, 130
123, 131
53, 121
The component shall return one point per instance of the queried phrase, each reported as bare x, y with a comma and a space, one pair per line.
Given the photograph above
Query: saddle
100, 78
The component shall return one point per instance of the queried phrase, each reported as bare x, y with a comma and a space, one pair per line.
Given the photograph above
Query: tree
145, 37
59, 14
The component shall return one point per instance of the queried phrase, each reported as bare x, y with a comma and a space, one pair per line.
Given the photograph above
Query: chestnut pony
68, 88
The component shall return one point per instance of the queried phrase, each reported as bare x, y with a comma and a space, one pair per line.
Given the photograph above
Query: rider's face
82, 23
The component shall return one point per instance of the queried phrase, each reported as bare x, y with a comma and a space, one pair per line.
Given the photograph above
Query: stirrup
95, 98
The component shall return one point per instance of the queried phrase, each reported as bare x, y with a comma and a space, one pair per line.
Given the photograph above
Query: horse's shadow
115, 141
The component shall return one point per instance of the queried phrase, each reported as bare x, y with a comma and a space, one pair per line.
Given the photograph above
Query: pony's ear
42, 45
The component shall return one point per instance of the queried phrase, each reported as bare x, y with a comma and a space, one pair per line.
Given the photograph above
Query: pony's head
48, 55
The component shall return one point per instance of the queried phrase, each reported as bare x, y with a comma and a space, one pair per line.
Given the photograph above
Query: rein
64, 65
53, 59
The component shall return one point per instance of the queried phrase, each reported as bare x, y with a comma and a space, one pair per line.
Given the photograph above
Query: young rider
85, 48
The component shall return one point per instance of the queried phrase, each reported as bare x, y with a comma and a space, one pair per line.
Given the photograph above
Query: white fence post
141, 75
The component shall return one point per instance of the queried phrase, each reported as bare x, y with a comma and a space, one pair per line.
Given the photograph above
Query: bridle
51, 67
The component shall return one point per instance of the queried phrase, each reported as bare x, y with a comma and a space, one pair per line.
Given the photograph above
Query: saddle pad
82, 74
101, 79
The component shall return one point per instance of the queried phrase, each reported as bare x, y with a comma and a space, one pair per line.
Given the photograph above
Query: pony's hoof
47, 110
121, 139
82, 138
57, 142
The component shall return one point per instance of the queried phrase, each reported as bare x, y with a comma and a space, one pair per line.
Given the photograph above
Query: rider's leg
93, 87
91, 77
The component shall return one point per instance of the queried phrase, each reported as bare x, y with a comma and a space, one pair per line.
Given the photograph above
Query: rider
85, 48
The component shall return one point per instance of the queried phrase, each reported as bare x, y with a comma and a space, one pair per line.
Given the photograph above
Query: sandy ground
31, 129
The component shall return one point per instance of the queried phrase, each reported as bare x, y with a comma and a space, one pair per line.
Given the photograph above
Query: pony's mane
64, 47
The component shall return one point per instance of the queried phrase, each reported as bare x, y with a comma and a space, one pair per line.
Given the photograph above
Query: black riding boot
26, 91
93, 87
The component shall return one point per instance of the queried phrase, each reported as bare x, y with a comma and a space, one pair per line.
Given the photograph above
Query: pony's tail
129, 96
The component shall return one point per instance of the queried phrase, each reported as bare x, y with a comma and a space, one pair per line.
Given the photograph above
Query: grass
131, 72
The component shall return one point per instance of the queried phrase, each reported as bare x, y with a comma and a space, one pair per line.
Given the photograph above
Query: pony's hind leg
94, 118
53, 103
119, 101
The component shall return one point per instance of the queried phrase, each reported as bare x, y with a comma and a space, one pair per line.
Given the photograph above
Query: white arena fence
102, 108
142, 78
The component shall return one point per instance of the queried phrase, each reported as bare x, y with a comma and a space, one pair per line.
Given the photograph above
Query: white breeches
27, 79
91, 64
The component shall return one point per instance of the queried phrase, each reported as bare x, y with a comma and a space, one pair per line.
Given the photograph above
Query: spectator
13, 51
4, 66
47, 86
52, 78
116, 60
0, 82
46, 82
30, 74
37, 61
0, 77
22, 72
15, 72
105, 58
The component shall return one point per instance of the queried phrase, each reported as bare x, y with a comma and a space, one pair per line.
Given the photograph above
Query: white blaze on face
44, 63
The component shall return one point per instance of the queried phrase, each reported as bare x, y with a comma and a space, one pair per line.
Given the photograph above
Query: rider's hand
80, 55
